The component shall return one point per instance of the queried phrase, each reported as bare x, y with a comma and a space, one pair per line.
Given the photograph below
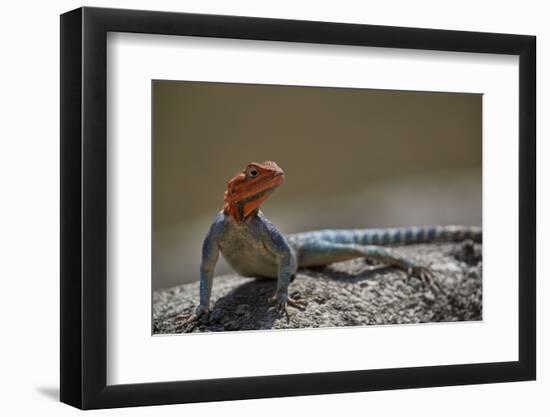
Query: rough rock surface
351, 293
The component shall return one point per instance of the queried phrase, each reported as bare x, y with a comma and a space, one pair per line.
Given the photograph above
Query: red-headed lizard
254, 247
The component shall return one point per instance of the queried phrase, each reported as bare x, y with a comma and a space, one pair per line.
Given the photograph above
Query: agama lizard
253, 246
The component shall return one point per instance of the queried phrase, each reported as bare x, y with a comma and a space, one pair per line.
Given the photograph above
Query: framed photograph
257, 207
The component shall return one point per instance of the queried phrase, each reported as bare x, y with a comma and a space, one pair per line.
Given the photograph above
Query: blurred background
352, 158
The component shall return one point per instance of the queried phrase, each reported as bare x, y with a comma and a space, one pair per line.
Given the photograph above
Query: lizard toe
426, 275
299, 304
190, 322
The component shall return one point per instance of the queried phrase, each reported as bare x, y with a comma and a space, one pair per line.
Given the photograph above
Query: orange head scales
251, 187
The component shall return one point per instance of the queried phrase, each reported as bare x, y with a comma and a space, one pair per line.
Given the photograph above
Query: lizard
254, 247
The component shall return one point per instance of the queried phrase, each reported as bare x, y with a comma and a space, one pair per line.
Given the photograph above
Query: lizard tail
417, 234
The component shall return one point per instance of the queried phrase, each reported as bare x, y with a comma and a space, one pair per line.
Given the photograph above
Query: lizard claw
426, 275
190, 322
282, 301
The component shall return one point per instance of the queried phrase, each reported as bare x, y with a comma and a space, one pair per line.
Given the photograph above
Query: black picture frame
84, 207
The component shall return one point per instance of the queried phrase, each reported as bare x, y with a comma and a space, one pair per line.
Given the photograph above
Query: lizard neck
234, 211
237, 214
243, 209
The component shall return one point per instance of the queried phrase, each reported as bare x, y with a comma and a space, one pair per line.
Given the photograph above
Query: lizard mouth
273, 182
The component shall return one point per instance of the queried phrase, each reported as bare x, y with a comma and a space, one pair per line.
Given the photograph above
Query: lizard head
251, 187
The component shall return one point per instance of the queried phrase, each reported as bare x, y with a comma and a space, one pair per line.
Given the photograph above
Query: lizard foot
426, 275
190, 322
282, 301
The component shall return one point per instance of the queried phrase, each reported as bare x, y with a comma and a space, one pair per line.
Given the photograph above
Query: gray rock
351, 293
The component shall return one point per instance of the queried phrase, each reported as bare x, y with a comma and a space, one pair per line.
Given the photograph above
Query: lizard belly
249, 258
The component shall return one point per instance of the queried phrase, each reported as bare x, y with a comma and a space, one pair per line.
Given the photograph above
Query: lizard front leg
276, 243
287, 268
210, 254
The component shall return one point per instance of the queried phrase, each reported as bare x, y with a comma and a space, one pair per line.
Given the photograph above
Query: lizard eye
252, 172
